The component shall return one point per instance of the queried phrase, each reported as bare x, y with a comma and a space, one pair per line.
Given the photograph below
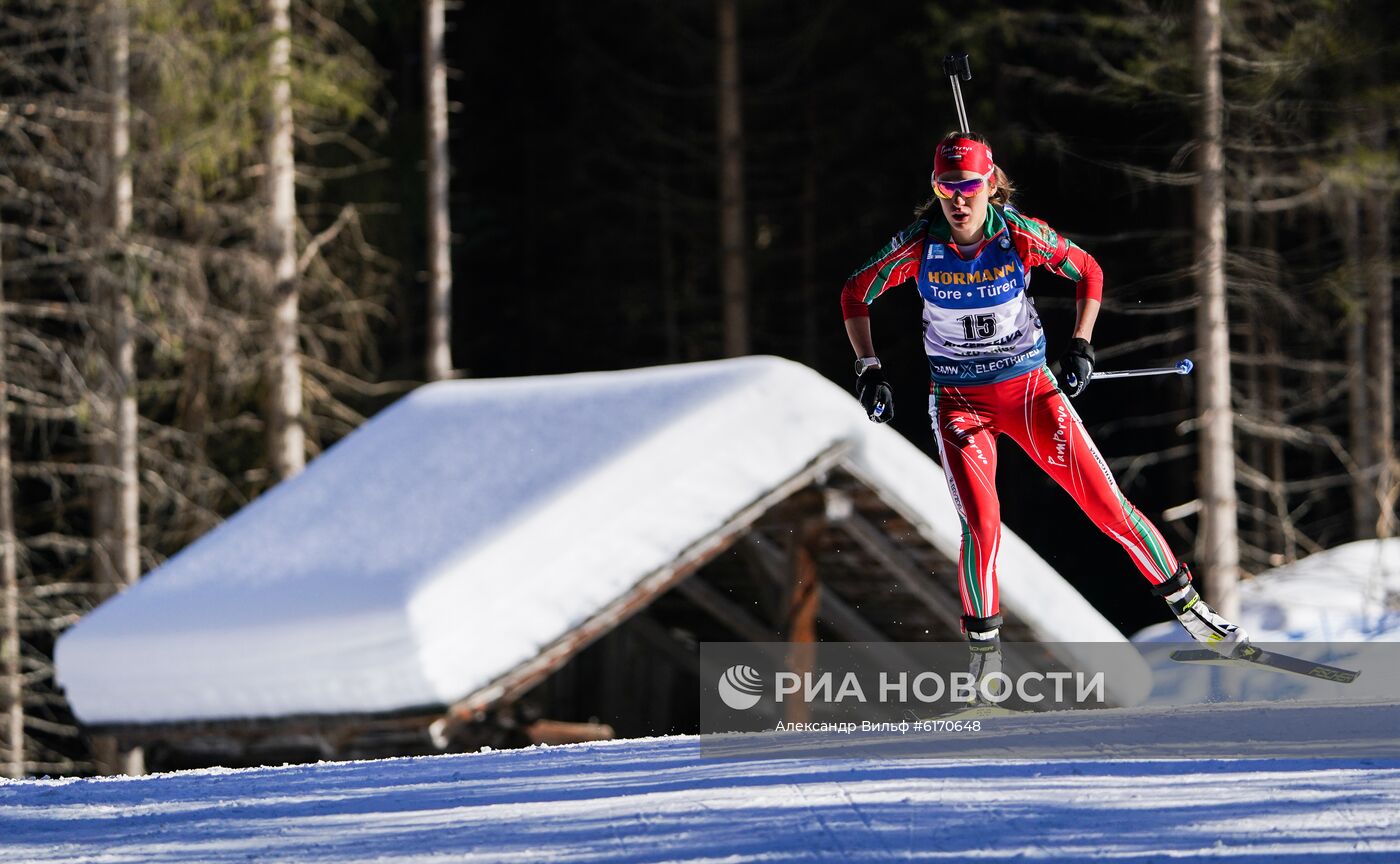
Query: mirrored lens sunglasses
946, 189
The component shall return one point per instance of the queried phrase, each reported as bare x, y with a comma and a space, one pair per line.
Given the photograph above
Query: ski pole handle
1182, 367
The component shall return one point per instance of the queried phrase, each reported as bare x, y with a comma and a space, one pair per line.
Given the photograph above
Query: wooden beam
803, 599
848, 623
906, 572
845, 620
560, 732
248, 732
649, 631
803, 595
725, 611
765, 587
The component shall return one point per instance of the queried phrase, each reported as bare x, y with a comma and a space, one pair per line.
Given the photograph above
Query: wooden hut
536, 559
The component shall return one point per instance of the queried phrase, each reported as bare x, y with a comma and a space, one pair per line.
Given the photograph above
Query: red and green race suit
986, 352
980, 325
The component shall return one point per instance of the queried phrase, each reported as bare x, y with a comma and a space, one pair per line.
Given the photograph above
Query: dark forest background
585, 235
585, 211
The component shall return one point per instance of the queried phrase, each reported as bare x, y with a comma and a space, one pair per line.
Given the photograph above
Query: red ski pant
1031, 409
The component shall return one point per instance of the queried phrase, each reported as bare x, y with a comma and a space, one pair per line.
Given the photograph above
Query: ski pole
1182, 367
955, 66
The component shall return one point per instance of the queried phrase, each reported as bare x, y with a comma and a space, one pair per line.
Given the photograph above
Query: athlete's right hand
875, 394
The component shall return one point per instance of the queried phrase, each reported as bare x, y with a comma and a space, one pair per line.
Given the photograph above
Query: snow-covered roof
473, 524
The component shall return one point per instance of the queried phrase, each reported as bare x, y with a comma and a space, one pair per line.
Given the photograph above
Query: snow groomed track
661, 800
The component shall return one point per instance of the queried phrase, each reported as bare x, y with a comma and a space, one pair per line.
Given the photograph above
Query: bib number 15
978, 326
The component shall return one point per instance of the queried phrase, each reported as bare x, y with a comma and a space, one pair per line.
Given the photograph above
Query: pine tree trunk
734, 289
814, 312
126, 539
666, 253
1276, 468
116, 495
1219, 541
11, 671
1253, 528
439, 360
287, 441
1377, 213
1363, 489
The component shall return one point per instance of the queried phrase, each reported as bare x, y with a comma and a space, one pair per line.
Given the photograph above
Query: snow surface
473, 523
661, 800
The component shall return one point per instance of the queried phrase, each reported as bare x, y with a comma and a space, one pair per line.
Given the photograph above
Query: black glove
875, 394
1076, 366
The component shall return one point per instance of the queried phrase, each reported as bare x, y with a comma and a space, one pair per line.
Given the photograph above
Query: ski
1269, 660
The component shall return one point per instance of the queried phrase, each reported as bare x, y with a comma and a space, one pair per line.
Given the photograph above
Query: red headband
963, 154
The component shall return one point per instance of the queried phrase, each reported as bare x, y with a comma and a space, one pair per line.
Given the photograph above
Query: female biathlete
971, 258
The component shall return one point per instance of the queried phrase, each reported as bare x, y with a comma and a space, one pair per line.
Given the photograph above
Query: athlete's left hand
1076, 366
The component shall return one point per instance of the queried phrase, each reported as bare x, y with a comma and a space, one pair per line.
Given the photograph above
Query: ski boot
984, 658
1203, 623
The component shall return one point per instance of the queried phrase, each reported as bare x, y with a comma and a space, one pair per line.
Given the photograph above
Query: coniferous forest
232, 231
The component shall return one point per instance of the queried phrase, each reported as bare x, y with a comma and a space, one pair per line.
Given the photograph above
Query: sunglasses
946, 189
